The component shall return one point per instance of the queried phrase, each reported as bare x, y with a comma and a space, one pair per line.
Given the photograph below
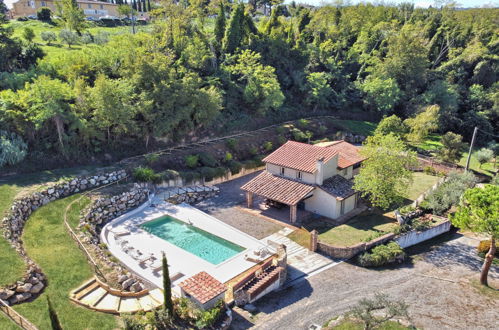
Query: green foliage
385, 176
423, 123
235, 167
301, 136
167, 288
151, 158
191, 161
72, 15
483, 156
209, 317
207, 159
28, 34
145, 174
484, 247
220, 23
12, 149
268, 146
380, 94
452, 145
228, 157
44, 14
235, 31
319, 90
382, 255
69, 37
368, 311
232, 144
48, 36
392, 124
449, 192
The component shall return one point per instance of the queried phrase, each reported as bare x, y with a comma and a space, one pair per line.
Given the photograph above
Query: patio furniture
146, 258
119, 234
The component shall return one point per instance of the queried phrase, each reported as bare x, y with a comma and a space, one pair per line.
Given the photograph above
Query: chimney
319, 175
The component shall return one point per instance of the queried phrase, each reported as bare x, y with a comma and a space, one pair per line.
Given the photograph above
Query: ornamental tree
167, 287
479, 212
452, 145
385, 175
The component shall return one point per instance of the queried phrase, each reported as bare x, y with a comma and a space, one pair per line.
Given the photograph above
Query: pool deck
126, 230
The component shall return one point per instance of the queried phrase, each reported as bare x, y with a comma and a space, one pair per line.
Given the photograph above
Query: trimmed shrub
191, 161
44, 14
235, 167
207, 159
12, 148
232, 144
268, 146
382, 255
146, 174
228, 157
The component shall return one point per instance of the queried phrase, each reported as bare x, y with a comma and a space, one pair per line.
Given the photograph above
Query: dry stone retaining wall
34, 280
351, 251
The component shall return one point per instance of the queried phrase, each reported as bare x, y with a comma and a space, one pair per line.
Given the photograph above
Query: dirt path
436, 286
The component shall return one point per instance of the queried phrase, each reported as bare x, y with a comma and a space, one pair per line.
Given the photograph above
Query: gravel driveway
436, 285
225, 207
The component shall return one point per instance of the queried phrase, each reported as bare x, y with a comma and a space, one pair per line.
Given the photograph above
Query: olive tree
479, 212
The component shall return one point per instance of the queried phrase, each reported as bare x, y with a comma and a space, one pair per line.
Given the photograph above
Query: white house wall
330, 168
349, 203
322, 203
290, 173
347, 173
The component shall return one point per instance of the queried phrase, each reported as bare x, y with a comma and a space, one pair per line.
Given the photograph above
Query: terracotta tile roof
349, 154
338, 187
277, 188
203, 287
299, 156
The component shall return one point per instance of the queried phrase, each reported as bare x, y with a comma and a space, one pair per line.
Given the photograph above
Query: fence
16, 317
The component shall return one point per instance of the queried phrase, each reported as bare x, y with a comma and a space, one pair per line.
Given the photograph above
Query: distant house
314, 177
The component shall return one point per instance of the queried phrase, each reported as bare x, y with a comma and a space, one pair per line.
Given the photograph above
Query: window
299, 175
282, 170
101, 6
89, 6
44, 4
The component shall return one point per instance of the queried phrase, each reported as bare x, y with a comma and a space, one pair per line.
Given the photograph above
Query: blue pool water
211, 248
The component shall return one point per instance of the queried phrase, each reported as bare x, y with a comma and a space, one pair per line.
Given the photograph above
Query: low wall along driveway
415, 237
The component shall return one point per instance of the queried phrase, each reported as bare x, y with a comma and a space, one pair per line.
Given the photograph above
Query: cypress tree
273, 21
167, 287
235, 31
54, 320
148, 5
139, 6
134, 4
220, 24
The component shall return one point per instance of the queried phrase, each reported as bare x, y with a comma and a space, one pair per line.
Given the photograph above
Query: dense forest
215, 66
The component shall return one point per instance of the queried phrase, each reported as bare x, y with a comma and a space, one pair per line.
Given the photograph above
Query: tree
392, 124
385, 175
319, 90
12, 148
479, 212
423, 123
381, 94
220, 24
44, 14
28, 34
48, 36
68, 36
125, 10
452, 145
368, 311
54, 319
484, 155
72, 15
167, 288
234, 34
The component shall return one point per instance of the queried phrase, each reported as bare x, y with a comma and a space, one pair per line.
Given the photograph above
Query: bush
192, 161
151, 158
208, 173
253, 151
228, 157
190, 176
300, 136
101, 37
281, 130
232, 144
430, 170
86, 38
146, 174
68, 37
12, 148
28, 34
169, 174
209, 317
48, 36
281, 139
420, 223
207, 159
44, 14
484, 247
303, 123
382, 255
235, 167
267, 146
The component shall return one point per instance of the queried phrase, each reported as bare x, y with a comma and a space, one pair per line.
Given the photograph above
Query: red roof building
203, 289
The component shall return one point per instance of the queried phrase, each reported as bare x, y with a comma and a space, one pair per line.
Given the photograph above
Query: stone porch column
249, 199
292, 213
313, 240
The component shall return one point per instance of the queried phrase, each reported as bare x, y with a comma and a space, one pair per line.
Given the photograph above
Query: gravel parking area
225, 207
439, 285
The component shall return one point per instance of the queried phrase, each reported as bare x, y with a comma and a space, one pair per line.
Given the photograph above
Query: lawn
358, 127
421, 182
11, 265
353, 325
49, 244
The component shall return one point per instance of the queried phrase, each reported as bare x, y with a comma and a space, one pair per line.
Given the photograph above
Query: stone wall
351, 251
414, 237
96, 215
13, 223
190, 195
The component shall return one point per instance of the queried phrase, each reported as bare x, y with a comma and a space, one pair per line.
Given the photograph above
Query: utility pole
471, 149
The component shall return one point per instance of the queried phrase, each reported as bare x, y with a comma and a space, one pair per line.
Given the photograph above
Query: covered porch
277, 192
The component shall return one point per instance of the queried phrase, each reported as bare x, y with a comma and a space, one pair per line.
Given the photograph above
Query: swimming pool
207, 246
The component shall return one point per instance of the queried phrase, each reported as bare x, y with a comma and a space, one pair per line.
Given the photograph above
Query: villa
316, 178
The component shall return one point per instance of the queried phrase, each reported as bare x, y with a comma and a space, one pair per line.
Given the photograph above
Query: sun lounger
146, 258
121, 233
176, 276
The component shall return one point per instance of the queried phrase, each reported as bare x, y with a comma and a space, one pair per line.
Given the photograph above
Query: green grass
421, 183
487, 168
48, 243
357, 126
301, 237
432, 142
352, 325
11, 265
